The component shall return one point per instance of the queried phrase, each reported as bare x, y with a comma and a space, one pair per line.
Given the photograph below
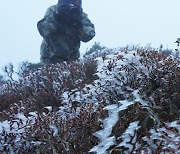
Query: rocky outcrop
61, 42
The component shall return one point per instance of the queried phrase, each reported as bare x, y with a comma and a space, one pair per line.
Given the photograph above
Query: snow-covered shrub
162, 140
43, 87
124, 100
50, 132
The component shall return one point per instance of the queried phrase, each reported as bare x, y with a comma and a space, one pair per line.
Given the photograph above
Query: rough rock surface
61, 42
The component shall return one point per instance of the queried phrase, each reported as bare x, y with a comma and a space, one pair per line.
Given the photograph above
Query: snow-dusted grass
117, 101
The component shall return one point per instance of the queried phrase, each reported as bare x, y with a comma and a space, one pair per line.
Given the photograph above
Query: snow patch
129, 136
104, 135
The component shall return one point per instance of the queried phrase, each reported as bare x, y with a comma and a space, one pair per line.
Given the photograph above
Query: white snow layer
129, 135
104, 135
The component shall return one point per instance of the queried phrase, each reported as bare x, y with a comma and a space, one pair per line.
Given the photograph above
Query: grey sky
117, 23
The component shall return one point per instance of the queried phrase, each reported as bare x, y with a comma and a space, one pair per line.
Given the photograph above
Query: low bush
116, 101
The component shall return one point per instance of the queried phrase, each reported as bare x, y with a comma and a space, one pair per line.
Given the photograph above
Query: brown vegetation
64, 103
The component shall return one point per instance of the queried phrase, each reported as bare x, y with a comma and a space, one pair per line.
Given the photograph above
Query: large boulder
61, 42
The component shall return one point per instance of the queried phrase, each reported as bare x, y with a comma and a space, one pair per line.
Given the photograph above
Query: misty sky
117, 22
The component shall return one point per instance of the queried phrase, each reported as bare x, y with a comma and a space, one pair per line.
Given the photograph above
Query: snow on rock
104, 135
124, 104
129, 136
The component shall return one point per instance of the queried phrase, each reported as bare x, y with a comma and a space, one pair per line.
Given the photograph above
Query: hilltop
123, 100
